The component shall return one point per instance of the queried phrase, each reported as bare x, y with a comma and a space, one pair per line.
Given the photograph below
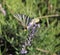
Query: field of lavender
29, 27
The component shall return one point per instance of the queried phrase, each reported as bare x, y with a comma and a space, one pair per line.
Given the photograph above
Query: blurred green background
12, 34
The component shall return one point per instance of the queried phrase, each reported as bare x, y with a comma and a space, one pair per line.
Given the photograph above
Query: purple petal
23, 51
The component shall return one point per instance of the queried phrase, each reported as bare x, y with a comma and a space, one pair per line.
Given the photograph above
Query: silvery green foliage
31, 29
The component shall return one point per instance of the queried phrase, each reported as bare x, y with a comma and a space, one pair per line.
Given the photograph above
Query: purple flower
30, 26
23, 51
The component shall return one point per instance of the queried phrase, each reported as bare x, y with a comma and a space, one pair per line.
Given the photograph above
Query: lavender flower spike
31, 27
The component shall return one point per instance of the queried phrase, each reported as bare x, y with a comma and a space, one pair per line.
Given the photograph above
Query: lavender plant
48, 37
29, 39
31, 27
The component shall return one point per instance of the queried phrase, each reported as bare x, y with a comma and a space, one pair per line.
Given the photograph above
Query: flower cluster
32, 30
